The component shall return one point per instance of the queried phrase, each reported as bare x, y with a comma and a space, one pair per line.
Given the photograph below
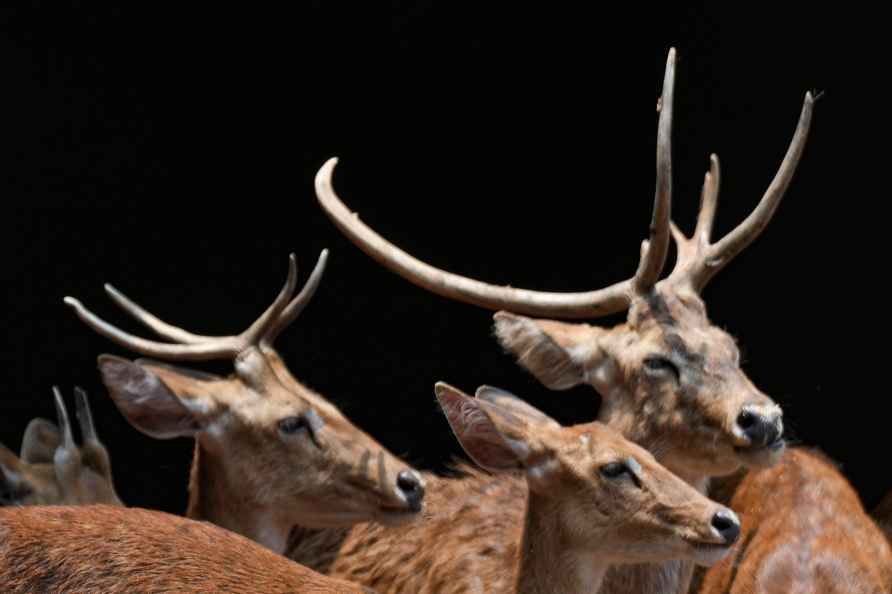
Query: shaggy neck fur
547, 565
214, 497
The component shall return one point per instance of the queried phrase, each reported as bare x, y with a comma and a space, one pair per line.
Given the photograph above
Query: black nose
727, 525
759, 429
410, 486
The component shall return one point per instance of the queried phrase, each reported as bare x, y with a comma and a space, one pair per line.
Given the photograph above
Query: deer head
596, 491
670, 379
288, 448
51, 469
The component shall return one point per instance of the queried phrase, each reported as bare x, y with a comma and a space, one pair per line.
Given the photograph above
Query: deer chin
396, 517
706, 554
762, 457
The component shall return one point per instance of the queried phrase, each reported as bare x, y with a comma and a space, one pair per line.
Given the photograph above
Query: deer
590, 499
829, 545
670, 380
270, 454
98, 548
50, 468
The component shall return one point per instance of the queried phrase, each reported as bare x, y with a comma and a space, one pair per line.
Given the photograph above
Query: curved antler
196, 347
587, 304
698, 259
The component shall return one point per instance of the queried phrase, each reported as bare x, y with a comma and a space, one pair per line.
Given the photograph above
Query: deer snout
410, 486
760, 426
726, 526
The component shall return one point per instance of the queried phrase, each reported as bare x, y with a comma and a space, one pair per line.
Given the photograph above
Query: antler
588, 304
698, 259
196, 347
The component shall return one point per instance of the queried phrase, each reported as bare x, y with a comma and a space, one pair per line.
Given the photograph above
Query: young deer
269, 453
671, 381
592, 498
113, 550
829, 545
51, 469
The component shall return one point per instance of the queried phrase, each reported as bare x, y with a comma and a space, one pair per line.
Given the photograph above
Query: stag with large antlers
51, 469
270, 454
670, 380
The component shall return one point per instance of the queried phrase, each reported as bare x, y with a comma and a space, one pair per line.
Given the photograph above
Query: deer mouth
762, 456
708, 553
392, 516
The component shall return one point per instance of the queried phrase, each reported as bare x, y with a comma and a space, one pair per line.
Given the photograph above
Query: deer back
804, 530
116, 550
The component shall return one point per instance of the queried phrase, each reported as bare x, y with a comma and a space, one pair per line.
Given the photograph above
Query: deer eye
658, 364
292, 425
614, 470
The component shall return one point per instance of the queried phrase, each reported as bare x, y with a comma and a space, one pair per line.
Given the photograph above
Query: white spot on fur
270, 533
541, 470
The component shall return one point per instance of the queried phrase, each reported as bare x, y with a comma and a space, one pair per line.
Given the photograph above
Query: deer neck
547, 565
214, 496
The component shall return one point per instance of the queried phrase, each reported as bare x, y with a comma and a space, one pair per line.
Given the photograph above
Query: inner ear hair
538, 352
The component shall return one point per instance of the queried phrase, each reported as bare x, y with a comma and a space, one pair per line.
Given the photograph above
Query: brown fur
111, 550
688, 422
246, 475
804, 531
556, 533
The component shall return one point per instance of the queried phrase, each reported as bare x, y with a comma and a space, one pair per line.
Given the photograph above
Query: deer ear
492, 436
506, 400
40, 442
557, 353
161, 401
10, 464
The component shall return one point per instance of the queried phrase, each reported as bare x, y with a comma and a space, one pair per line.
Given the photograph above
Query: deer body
670, 380
804, 531
553, 527
115, 550
270, 454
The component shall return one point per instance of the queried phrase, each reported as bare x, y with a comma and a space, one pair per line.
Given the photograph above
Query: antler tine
158, 326
84, 415
655, 250
220, 348
699, 260
734, 242
709, 199
297, 305
196, 347
64, 422
267, 320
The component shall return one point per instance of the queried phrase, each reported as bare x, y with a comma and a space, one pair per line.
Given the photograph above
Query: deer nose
726, 524
761, 428
411, 487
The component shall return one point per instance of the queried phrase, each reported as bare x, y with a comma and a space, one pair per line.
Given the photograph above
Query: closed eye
293, 425
620, 470
308, 424
657, 364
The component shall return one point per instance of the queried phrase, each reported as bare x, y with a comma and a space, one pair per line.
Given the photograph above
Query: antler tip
72, 302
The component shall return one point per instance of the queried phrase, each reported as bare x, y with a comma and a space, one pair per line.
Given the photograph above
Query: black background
511, 144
